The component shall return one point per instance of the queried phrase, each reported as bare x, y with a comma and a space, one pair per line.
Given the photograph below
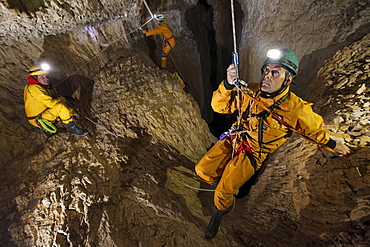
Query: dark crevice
199, 20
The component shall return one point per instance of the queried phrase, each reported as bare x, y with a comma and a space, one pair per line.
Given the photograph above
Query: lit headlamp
274, 54
45, 66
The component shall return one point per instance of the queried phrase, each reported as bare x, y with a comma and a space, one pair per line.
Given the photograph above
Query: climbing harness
172, 37
235, 58
244, 146
264, 114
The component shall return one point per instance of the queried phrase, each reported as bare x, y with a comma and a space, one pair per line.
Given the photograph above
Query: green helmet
286, 57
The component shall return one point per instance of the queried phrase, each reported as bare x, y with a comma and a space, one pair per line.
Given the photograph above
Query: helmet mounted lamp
45, 66
274, 54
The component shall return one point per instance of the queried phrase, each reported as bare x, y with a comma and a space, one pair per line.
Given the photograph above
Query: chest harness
236, 130
263, 115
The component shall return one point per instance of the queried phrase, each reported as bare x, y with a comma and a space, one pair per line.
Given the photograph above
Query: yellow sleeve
224, 100
312, 125
306, 122
154, 31
42, 95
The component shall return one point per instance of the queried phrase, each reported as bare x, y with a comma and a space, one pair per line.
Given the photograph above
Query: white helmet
159, 17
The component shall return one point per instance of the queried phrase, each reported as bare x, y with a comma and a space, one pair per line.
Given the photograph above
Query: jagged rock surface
100, 189
346, 87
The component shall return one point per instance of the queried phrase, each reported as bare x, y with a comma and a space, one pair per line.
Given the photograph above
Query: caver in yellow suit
40, 105
38, 101
169, 41
234, 159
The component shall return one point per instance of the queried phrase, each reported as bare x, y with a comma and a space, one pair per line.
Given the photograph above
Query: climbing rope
235, 61
151, 163
147, 7
105, 46
46, 125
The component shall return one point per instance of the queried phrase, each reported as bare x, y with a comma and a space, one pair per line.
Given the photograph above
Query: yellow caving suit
169, 41
37, 100
234, 172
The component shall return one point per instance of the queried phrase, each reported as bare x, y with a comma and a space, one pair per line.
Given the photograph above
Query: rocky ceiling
130, 182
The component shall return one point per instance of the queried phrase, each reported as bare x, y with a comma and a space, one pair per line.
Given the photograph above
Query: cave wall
77, 43
101, 189
314, 29
49, 184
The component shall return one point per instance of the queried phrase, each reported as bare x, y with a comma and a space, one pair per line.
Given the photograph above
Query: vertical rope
235, 54
147, 7
236, 63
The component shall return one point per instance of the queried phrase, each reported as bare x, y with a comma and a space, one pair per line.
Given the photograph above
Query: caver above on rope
169, 40
42, 109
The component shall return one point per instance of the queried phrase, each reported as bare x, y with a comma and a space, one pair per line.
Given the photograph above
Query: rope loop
46, 125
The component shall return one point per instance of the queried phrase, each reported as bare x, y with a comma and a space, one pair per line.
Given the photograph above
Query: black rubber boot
75, 130
215, 222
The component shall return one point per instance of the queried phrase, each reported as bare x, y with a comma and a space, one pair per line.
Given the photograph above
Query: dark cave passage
215, 52
199, 20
